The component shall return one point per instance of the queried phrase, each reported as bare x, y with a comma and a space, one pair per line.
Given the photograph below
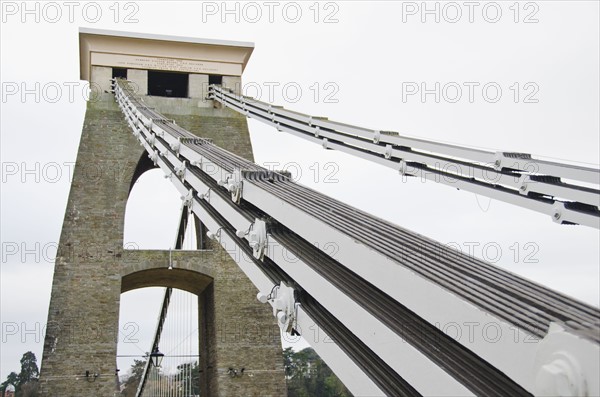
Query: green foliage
29, 368
135, 375
26, 382
308, 376
11, 379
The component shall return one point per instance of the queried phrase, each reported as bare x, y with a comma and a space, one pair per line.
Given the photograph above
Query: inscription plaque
167, 64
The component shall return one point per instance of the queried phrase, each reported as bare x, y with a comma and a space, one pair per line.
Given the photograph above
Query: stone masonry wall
84, 309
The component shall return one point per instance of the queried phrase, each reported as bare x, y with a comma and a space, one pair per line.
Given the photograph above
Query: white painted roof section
112, 48
150, 36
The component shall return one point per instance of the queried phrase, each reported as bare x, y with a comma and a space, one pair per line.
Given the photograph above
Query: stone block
140, 79
101, 77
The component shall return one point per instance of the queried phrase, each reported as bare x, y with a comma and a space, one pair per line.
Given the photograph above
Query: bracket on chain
153, 156
205, 195
188, 199
233, 183
175, 146
257, 238
216, 235
402, 167
148, 124
284, 305
376, 136
388, 151
180, 171
557, 212
524, 180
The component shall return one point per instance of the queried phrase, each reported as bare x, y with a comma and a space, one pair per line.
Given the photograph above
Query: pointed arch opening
161, 251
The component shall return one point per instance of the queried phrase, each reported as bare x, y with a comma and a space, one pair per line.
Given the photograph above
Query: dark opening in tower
169, 84
119, 73
215, 79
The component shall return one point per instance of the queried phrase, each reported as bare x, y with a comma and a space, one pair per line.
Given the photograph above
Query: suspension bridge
376, 300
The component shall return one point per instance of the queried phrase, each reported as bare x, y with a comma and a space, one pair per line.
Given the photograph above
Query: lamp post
156, 357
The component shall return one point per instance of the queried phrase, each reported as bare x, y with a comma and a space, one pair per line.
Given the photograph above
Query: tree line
306, 375
26, 382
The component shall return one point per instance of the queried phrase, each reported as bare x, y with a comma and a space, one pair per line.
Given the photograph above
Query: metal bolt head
557, 215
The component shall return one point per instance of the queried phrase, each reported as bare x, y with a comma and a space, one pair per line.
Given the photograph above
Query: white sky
366, 55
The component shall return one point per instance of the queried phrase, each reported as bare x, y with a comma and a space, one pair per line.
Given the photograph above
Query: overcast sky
352, 62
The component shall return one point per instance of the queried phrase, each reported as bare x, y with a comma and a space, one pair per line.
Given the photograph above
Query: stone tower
92, 268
